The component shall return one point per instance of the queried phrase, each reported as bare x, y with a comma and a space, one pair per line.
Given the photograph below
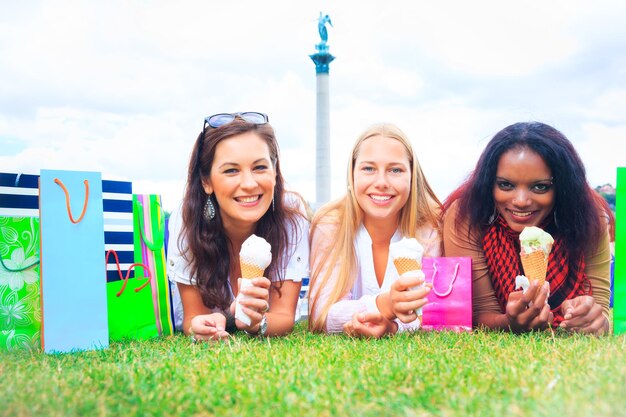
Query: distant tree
608, 193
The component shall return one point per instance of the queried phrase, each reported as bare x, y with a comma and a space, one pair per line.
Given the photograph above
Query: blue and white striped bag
19, 195
117, 202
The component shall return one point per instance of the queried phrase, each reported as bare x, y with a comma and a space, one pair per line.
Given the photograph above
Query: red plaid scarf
502, 248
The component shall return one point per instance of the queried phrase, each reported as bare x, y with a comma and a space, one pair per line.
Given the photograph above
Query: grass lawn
441, 374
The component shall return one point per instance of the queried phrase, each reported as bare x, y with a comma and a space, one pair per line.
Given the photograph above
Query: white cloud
122, 87
602, 150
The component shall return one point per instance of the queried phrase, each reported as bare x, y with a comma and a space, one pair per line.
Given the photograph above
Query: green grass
442, 374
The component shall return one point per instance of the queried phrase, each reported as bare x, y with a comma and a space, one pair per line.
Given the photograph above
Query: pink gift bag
450, 300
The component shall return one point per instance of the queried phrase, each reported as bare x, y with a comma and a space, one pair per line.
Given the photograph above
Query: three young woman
528, 175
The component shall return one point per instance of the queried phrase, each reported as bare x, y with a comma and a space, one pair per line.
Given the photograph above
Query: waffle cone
535, 266
251, 271
404, 265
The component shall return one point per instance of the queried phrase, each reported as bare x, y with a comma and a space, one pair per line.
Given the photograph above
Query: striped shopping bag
117, 205
19, 195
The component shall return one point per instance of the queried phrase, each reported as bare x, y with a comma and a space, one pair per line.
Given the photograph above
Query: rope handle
17, 269
125, 279
159, 237
449, 290
67, 200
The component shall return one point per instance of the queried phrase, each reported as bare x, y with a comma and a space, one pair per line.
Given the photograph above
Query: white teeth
521, 213
248, 199
380, 197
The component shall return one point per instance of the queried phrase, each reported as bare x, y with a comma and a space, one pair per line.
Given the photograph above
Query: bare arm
281, 316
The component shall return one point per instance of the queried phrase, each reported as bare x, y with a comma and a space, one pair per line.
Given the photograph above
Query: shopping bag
20, 308
117, 205
129, 300
619, 279
19, 195
149, 238
450, 300
73, 293
20, 312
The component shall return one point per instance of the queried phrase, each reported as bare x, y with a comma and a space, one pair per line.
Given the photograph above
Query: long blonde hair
422, 207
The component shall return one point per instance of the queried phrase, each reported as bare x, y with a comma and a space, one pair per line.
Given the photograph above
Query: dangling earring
556, 223
209, 209
492, 218
273, 205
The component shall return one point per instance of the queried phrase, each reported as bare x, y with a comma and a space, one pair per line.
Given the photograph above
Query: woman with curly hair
530, 175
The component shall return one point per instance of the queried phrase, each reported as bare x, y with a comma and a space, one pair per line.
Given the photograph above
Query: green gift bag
619, 285
131, 313
20, 308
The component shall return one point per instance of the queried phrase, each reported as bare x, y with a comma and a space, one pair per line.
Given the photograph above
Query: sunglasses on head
222, 119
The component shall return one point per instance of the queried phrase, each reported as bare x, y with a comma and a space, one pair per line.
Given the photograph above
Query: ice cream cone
535, 266
251, 271
254, 257
404, 265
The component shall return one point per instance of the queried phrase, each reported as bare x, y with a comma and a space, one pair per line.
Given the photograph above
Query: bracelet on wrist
262, 328
231, 327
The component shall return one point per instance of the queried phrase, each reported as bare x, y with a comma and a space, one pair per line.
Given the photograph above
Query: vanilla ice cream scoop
256, 251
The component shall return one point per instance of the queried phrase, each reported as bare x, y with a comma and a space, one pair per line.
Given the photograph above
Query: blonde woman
355, 288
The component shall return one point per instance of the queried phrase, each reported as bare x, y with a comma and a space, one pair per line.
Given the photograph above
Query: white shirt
178, 269
362, 296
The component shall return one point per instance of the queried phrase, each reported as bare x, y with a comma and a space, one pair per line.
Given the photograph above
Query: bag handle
159, 237
17, 269
67, 200
119, 271
449, 290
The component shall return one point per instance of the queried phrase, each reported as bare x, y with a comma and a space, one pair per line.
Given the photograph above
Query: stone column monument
322, 59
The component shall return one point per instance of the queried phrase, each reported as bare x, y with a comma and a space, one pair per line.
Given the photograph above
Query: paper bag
450, 300
73, 292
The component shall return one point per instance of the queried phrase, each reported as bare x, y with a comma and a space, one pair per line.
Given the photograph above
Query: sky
122, 87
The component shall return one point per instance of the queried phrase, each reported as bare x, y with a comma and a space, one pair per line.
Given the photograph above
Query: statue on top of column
321, 27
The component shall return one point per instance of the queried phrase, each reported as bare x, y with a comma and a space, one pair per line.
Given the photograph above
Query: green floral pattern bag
20, 305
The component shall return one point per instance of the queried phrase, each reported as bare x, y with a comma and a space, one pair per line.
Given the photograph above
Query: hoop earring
209, 209
493, 216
